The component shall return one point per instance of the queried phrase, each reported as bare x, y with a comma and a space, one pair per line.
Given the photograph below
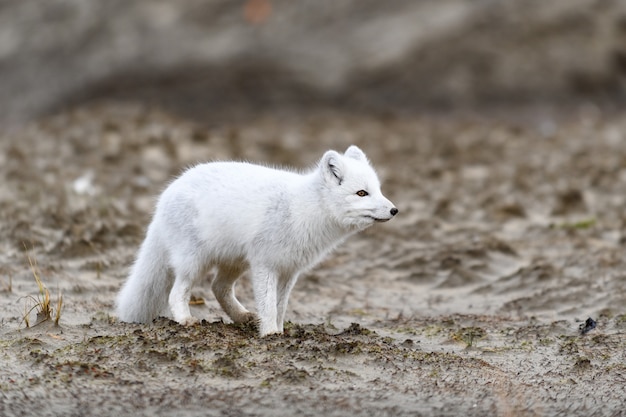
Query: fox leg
264, 284
179, 299
285, 285
223, 287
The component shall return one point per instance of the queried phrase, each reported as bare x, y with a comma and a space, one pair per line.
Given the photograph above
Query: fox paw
244, 318
188, 321
268, 332
249, 318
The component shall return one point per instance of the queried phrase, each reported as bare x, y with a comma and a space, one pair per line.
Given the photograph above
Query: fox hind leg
180, 294
179, 301
223, 287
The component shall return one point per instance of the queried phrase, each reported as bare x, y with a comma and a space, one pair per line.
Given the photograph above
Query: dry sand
510, 235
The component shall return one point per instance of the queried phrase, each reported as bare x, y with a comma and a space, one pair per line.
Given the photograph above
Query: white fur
237, 216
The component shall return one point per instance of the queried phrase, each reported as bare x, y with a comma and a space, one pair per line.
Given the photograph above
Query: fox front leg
264, 285
285, 285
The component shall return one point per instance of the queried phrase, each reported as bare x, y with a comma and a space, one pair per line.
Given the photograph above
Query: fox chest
292, 251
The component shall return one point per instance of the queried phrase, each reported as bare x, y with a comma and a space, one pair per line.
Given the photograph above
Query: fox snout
393, 212
385, 213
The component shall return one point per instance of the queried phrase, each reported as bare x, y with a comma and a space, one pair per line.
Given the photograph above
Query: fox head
352, 190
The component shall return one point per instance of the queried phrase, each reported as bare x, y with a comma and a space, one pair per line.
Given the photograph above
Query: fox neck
315, 216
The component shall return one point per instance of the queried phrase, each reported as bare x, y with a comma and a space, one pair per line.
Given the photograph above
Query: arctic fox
235, 216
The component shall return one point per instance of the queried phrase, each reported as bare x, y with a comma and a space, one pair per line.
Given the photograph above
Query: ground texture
510, 235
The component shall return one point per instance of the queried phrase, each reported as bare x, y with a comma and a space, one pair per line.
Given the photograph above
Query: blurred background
496, 126
218, 60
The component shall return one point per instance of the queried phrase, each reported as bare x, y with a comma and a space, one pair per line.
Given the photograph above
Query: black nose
394, 211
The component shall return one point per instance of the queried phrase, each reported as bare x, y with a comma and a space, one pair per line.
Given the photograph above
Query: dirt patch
510, 235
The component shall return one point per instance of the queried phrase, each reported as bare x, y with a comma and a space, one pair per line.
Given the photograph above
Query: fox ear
332, 167
355, 152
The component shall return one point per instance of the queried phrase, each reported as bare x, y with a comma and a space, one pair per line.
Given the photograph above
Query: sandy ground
510, 235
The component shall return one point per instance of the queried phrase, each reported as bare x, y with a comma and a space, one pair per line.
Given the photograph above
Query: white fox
236, 216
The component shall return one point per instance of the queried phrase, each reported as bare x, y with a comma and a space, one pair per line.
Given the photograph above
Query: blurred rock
205, 59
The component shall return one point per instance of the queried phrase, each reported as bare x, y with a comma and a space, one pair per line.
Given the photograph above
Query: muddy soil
510, 235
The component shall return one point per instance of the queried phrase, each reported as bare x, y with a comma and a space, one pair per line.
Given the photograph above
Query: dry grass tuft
41, 303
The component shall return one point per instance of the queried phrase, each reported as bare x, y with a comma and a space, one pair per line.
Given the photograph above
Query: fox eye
362, 193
